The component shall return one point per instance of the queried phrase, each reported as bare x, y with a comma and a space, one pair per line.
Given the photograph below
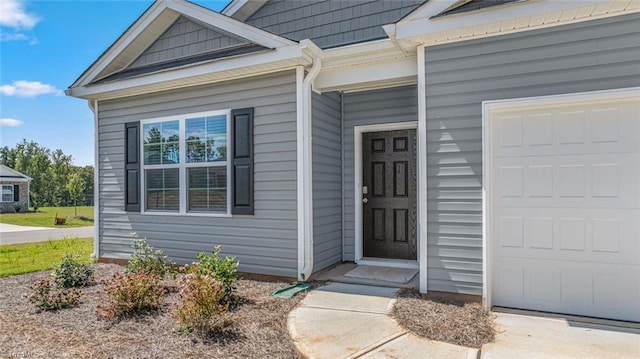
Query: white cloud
13, 14
13, 37
10, 122
28, 89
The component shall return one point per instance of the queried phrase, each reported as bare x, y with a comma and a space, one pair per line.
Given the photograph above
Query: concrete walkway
352, 321
12, 234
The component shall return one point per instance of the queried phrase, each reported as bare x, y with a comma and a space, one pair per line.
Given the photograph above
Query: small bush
223, 270
71, 272
51, 297
130, 293
146, 259
17, 207
199, 306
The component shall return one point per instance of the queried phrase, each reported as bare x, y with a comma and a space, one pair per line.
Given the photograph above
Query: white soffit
366, 65
420, 28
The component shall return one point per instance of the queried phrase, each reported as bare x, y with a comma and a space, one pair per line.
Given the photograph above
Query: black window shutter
242, 161
16, 193
132, 167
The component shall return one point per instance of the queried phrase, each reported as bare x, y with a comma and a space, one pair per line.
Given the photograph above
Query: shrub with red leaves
48, 297
200, 305
130, 293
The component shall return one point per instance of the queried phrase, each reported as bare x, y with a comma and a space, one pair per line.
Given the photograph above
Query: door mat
385, 274
291, 291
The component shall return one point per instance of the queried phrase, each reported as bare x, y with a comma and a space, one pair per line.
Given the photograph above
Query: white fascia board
359, 54
6, 169
367, 76
428, 9
188, 9
242, 9
234, 7
129, 36
419, 29
14, 179
230, 25
279, 58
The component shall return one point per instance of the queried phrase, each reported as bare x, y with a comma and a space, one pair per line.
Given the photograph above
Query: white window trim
182, 166
2, 193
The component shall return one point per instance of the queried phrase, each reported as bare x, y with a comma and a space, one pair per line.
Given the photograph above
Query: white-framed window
185, 164
7, 193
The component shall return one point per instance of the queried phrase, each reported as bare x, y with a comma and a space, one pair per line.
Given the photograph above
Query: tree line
55, 180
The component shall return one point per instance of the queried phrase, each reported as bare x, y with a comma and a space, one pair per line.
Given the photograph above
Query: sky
44, 47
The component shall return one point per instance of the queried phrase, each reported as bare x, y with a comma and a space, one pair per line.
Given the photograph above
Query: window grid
183, 165
7, 193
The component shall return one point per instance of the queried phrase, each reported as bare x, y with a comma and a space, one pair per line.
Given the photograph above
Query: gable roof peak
154, 22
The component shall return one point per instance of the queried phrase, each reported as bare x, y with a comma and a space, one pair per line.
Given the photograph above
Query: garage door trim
490, 108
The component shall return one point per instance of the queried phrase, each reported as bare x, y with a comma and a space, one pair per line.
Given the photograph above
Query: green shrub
51, 297
223, 270
146, 259
130, 293
71, 272
200, 302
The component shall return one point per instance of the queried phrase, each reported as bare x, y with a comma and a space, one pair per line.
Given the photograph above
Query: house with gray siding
14, 190
493, 146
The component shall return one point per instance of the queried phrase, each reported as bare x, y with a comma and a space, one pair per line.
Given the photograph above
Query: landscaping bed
444, 318
254, 326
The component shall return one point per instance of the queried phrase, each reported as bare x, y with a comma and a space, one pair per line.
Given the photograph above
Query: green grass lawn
45, 215
33, 257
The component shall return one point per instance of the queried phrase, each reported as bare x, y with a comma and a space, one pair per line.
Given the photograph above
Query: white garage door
564, 206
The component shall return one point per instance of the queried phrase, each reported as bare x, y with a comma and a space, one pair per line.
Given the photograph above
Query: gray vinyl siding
185, 38
589, 56
399, 104
331, 23
264, 243
327, 180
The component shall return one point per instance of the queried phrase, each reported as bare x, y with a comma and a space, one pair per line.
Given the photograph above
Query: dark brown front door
389, 204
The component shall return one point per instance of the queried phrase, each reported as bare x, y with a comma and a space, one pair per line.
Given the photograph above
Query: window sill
187, 214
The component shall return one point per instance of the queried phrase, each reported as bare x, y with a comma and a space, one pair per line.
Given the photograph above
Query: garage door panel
596, 181
565, 130
568, 234
548, 285
564, 205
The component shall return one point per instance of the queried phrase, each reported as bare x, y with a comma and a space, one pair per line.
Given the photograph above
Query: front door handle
365, 200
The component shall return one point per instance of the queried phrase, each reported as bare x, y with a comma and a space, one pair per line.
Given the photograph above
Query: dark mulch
254, 328
444, 318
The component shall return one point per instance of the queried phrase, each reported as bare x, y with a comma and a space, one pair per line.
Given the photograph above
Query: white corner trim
490, 108
357, 176
96, 181
422, 171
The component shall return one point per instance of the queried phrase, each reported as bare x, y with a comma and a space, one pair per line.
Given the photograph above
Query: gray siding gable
331, 23
186, 38
589, 56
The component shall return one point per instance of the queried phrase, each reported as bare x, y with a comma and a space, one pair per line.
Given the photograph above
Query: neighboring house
14, 190
494, 145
